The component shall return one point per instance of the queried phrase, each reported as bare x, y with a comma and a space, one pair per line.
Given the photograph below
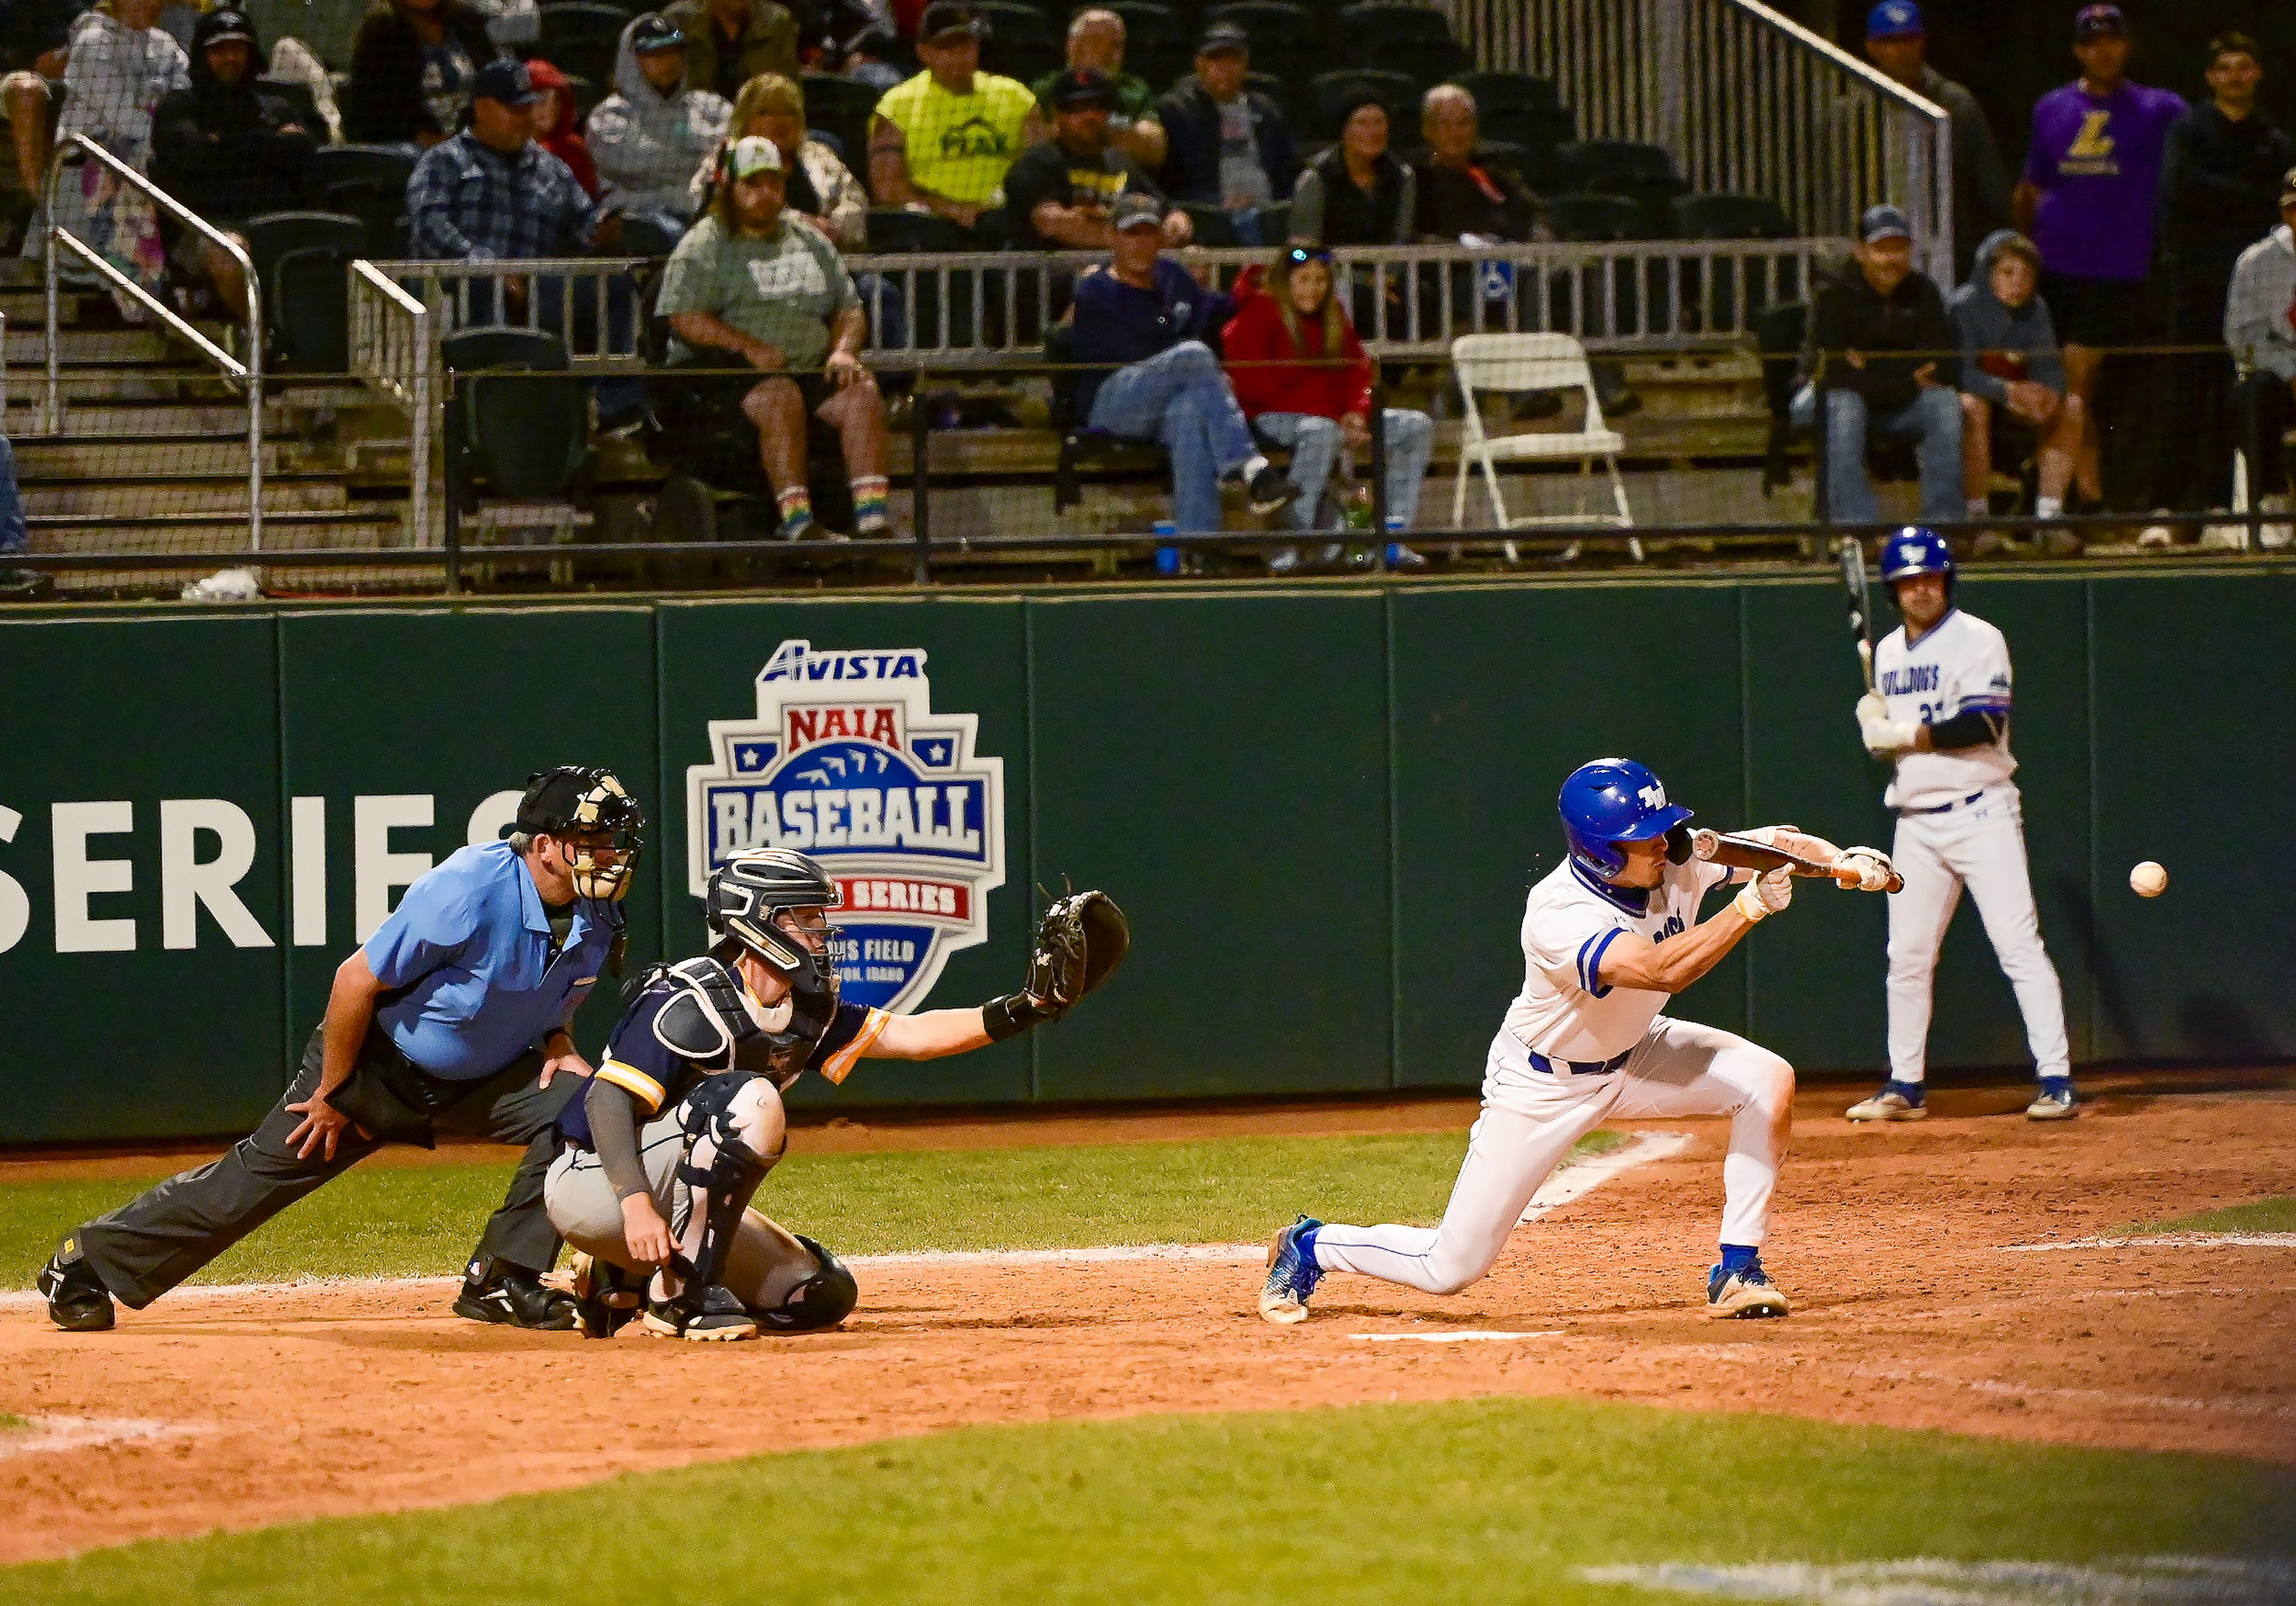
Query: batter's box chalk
1448, 1338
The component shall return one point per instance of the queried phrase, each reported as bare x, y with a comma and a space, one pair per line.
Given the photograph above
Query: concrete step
28, 345
222, 493
214, 532
141, 457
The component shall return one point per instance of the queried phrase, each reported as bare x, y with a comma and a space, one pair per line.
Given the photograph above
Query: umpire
453, 1015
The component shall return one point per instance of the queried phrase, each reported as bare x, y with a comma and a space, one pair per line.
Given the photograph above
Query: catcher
684, 1117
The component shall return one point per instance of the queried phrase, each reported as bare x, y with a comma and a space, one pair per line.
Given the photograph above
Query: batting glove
1766, 893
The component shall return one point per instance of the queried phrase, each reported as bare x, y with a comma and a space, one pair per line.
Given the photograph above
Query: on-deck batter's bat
1761, 856
1861, 605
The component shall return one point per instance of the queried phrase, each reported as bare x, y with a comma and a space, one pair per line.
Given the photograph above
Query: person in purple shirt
2089, 199
1145, 317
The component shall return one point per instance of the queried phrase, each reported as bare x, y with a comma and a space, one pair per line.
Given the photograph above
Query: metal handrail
391, 349
248, 373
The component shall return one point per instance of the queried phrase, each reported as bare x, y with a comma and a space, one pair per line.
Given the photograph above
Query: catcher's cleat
78, 1299
1746, 1293
1897, 1101
1292, 1273
717, 1317
497, 1291
2054, 1102
604, 1304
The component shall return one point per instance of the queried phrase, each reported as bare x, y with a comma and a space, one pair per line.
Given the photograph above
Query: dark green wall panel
1219, 764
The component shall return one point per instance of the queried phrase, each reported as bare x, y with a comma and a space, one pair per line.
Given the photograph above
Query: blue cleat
2054, 1102
1746, 1293
1897, 1101
1292, 1273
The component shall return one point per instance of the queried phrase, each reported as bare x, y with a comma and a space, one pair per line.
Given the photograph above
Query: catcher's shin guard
728, 1182
822, 1300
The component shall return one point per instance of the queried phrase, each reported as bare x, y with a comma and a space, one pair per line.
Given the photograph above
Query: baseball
2148, 880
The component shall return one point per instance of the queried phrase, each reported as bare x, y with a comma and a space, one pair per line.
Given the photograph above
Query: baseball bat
1861, 607
1761, 856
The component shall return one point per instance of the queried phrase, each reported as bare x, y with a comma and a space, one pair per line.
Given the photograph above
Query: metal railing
393, 348
1746, 100
249, 371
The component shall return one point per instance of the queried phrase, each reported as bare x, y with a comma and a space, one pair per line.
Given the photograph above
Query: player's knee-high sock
1759, 1131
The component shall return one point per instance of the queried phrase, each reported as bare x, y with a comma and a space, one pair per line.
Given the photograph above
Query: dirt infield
257, 1408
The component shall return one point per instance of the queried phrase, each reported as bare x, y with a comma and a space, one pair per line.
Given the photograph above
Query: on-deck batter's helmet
1918, 550
748, 889
1614, 800
578, 800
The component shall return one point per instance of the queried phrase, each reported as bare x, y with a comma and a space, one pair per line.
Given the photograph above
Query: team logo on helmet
847, 762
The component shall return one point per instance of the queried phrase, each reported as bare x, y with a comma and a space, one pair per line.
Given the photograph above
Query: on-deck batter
1939, 714
1606, 938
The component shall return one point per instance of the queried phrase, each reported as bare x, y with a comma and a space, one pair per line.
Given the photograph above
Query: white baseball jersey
1962, 665
1569, 923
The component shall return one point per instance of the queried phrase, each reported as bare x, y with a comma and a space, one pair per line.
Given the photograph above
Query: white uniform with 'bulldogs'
1548, 1081
1960, 823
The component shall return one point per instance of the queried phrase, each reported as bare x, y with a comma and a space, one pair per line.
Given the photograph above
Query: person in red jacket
1302, 379
554, 128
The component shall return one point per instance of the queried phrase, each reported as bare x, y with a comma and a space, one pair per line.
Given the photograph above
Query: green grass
420, 1220
13, 1422
2263, 1216
1477, 1500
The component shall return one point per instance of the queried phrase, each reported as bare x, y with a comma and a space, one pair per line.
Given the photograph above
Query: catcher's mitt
1080, 941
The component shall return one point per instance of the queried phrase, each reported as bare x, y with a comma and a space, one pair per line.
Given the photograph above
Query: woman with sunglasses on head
1302, 379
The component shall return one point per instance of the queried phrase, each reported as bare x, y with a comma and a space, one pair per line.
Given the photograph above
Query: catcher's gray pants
764, 1265
156, 1240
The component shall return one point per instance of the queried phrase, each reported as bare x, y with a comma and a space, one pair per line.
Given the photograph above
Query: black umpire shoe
716, 1315
78, 1300
603, 1303
514, 1297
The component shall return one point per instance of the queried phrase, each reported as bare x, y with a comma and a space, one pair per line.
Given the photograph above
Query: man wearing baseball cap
2089, 196
1096, 39
943, 140
490, 193
652, 133
1059, 194
1881, 360
2260, 328
1228, 144
1896, 42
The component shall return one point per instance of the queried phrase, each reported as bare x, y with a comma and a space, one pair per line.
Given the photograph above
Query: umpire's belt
1944, 808
1581, 1068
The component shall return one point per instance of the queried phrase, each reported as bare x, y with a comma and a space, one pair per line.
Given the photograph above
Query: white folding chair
1507, 364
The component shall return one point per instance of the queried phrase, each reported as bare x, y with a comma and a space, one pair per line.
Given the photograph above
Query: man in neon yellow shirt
943, 140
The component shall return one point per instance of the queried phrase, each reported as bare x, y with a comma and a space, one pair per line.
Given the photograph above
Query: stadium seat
1282, 34
368, 182
1150, 27
1334, 90
1512, 363
1542, 130
1714, 305
1010, 24
1080, 443
312, 315
1730, 217
893, 231
521, 439
1595, 218
1509, 92
1214, 229
273, 235
840, 106
579, 37
1643, 173
1382, 22
298, 94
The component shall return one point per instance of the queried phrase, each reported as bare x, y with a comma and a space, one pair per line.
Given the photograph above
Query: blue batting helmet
1614, 800
1916, 550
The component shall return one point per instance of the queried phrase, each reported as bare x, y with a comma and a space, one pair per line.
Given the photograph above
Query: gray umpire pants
156, 1240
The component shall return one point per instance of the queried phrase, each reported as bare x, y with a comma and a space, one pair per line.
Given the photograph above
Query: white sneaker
1890, 1104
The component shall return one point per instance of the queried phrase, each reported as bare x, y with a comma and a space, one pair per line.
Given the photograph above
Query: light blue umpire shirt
466, 962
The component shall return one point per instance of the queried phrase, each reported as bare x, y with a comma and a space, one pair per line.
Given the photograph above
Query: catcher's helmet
1614, 800
576, 799
748, 889
1916, 550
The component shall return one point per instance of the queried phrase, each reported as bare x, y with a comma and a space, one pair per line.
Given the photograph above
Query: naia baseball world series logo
847, 762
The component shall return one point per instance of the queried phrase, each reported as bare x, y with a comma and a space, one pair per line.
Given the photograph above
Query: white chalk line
87, 1432
2158, 1580
1571, 1182
2166, 1241
1468, 1337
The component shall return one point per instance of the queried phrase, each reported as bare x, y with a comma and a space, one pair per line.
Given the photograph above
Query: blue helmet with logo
1614, 800
1916, 550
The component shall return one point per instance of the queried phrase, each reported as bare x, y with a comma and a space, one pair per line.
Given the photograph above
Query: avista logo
846, 761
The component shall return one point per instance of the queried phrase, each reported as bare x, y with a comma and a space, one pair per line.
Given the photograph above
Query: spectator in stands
1881, 361
16, 585
1226, 144
1302, 379
1462, 195
1146, 318
2219, 188
730, 42
228, 152
869, 60
748, 283
1058, 196
554, 128
2011, 374
2260, 327
819, 189
1356, 193
2087, 199
1096, 43
942, 141
412, 68
1896, 42
121, 66
38, 42
648, 136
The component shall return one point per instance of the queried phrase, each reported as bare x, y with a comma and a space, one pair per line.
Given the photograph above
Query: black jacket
1191, 154
382, 104
1452, 203
1847, 315
223, 150
2220, 190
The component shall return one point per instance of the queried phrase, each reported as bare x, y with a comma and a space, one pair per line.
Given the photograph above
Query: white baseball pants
1530, 1121
1981, 846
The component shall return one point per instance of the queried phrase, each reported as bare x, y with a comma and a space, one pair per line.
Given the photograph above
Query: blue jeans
1316, 443
1933, 421
11, 505
1179, 397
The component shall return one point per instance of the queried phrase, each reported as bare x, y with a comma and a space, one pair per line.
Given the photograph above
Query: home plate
1448, 1338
